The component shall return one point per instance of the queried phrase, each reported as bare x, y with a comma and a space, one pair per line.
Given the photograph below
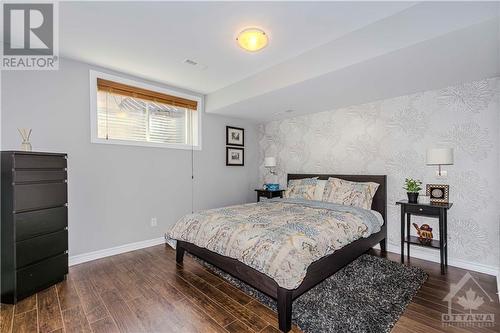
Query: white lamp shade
440, 156
270, 162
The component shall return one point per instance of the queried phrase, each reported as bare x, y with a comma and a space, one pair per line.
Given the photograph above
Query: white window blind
127, 115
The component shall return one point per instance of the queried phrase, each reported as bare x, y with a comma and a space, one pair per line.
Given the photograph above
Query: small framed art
235, 136
235, 156
438, 193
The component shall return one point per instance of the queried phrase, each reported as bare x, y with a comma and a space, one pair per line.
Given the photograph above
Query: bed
285, 285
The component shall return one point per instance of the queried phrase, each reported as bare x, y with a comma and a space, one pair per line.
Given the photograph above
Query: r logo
28, 29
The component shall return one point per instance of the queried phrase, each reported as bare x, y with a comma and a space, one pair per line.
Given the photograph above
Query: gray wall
115, 190
391, 137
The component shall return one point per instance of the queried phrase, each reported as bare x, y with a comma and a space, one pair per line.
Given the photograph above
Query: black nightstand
268, 194
439, 211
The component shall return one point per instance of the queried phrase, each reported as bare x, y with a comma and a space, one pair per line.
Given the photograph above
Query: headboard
379, 200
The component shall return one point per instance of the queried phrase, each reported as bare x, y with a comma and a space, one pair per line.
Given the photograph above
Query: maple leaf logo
470, 301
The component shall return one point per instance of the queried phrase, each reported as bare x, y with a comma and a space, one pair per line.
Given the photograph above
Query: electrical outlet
154, 222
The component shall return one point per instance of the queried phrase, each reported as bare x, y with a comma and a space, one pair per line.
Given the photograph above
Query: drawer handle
420, 209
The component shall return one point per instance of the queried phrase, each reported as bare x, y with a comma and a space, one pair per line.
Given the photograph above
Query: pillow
300, 192
303, 181
320, 188
350, 193
301, 188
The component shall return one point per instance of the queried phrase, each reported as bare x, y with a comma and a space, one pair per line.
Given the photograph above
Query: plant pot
412, 197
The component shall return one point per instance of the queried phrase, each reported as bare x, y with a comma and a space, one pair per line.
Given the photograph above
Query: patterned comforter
279, 238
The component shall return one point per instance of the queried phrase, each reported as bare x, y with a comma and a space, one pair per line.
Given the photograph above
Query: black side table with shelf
268, 194
439, 211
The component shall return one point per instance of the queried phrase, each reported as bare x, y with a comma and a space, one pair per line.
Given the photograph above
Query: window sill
146, 144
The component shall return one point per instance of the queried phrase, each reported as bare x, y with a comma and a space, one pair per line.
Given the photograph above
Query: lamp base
442, 173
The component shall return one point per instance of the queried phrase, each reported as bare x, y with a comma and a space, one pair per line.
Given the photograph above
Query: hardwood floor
145, 291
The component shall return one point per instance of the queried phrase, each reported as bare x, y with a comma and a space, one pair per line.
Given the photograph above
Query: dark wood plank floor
145, 291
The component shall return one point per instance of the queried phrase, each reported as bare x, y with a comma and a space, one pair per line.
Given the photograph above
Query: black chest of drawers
34, 222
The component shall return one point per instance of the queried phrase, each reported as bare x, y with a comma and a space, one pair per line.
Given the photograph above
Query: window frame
94, 75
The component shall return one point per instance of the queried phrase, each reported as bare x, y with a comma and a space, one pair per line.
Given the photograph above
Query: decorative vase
412, 197
25, 134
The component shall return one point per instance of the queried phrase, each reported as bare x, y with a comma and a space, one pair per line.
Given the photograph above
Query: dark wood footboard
316, 273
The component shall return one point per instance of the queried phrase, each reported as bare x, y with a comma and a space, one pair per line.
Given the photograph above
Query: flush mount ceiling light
252, 39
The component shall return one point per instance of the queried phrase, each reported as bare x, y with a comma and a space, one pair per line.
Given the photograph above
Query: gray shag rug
368, 295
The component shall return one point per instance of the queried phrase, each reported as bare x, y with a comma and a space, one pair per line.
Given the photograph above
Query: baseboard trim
84, 257
415, 252
427, 254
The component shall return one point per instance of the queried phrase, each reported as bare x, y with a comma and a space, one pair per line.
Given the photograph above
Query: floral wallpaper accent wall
391, 137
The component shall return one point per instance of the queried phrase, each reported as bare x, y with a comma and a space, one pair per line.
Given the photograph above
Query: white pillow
320, 188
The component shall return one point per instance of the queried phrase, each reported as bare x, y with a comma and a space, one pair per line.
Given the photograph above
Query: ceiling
427, 46
152, 39
321, 55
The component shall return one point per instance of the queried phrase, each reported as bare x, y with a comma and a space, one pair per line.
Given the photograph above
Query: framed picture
235, 156
438, 193
235, 136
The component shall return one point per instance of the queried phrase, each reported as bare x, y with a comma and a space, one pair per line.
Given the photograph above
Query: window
133, 113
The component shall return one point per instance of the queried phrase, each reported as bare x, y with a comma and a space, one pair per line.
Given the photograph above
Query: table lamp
440, 156
270, 163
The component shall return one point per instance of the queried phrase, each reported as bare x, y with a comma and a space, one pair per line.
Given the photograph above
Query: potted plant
412, 187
